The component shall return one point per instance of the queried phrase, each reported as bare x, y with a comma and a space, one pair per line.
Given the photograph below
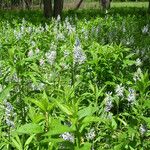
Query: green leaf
17, 143
35, 116
11, 53
86, 146
90, 119
58, 128
64, 108
147, 120
87, 111
128, 63
5, 92
35, 68
37, 103
30, 128
28, 141
118, 147
114, 124
122, 121
147, 103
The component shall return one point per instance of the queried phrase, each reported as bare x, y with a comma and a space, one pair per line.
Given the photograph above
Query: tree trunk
58, 7
79, 4
28, 4
47, 8
105, 4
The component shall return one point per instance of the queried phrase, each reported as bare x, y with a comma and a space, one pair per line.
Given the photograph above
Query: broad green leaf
128, 63
64, 108
17, 143
37, 103
30, 128
147, 103
90, 119
28, 141
58, 128
87, 111
36, 117
114, 124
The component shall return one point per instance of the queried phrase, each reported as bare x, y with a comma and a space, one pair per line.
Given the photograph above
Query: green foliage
75, 84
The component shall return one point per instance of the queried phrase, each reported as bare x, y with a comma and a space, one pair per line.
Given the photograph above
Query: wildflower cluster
143, 129
67, 136
64, 70
91, 135
108, 102
50, 57
9, 114
119, 90
131, 96
79, 56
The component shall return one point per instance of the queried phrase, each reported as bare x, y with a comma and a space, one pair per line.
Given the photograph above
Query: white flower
137, 75
18, 35
143, 129
124, 29
66, 53
37, 51
33, 43
119, 90
39, 86
145, 29
79, 56
22, 29
51, 56
91, 135
9, 114
58, 18
67, 136
30, 53
108, 102
70, 28
41, 62
60, 36
138, 62
29, 29
131, 96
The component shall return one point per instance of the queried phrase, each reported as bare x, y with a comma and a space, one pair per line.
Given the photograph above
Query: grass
86, 5
130, 4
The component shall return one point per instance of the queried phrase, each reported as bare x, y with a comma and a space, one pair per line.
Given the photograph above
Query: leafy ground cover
80, 83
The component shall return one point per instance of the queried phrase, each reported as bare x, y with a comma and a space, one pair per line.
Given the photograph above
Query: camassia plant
66, 85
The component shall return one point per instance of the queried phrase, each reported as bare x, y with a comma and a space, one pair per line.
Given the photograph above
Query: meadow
77, 83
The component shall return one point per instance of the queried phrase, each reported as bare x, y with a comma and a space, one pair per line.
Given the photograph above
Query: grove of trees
50, 7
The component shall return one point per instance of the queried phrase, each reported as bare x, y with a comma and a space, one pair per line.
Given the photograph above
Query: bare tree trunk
79, 4
28, 4
58, 7
47, 8
105, 4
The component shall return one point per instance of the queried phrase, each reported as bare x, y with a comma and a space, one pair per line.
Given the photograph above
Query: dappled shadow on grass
36, 16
